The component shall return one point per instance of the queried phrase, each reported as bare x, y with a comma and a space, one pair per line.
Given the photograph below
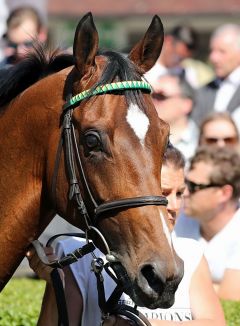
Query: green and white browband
124, 85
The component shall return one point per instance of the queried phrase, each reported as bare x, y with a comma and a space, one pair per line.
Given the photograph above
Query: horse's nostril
154, 279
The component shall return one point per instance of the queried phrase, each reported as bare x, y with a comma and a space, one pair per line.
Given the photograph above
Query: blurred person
211, 214
219, 129
3, 18
177, 57
173, 98
197, 72
24, 30
195, 297
222, 93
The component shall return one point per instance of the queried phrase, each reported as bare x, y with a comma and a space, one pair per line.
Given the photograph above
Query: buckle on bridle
97, 265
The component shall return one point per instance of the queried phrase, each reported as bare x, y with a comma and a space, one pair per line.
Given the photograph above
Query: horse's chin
153, 300
144, 295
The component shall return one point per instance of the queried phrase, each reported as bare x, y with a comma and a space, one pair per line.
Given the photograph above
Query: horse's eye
93, 140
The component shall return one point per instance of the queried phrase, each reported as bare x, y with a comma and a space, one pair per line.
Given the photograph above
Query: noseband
72, 157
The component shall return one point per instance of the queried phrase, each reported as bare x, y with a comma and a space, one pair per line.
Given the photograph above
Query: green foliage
20, 303
232, 312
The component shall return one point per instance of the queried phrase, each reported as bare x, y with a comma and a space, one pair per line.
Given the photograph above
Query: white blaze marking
166, 230
138, 121
168, 236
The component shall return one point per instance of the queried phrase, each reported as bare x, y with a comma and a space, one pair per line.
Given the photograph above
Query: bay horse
100, 99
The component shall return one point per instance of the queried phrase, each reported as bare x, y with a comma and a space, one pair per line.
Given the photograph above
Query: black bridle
108, 307
72, 157
68, 141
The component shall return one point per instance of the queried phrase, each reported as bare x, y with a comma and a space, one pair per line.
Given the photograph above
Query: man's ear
227, 192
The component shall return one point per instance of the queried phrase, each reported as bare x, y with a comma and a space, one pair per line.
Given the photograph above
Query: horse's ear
146, 52
85, 44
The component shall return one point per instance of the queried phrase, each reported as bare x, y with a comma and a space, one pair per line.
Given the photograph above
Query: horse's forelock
120, 68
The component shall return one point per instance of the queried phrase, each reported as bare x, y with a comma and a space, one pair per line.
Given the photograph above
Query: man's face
203, 203
20, 40
219, 132
225, 54
167, 99
174, 51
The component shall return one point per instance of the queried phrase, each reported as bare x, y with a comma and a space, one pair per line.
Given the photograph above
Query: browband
102, 89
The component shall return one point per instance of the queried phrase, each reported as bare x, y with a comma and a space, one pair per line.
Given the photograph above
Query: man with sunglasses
173, 98
212, 215
24, 30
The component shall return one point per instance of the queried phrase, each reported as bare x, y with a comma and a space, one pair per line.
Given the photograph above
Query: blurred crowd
201, 103
186, 92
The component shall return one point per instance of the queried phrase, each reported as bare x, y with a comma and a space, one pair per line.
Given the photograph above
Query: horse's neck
25, 127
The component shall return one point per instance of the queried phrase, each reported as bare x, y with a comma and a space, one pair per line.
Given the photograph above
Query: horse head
119, 141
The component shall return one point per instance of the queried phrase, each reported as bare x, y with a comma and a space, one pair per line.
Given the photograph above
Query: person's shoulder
74, 241
70, 244
187, 245
190, 251
237, 214
234, 223
186, 242
228, 236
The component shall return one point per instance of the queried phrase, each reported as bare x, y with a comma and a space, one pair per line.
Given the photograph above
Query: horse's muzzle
157, 290
151, 288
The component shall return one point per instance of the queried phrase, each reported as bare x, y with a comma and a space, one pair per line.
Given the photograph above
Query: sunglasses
194, 187
160, 96
163, 97
227, 140
27, 44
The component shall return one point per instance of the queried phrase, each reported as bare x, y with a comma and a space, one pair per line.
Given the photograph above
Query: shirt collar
190, 133
234, 77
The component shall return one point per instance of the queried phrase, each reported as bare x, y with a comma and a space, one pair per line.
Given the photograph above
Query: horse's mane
38, 65
35, 66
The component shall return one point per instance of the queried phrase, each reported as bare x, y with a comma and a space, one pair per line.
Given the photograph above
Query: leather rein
68, 142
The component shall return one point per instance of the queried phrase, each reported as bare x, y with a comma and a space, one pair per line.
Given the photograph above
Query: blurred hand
43, 271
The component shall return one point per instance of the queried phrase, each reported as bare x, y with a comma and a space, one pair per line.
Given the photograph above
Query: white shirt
225, 93
187, 249
188, 142
226, 90
222, 251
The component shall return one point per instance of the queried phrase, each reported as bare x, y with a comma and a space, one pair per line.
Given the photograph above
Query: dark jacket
205, 98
